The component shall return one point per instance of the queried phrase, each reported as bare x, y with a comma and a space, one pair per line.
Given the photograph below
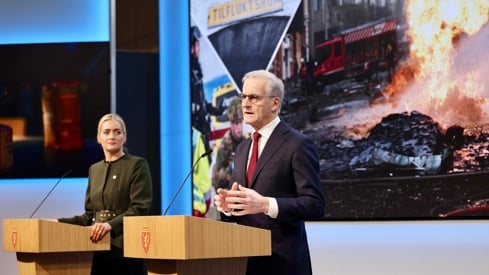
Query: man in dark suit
284, 189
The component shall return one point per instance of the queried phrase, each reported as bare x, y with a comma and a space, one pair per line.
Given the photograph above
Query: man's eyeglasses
254, 98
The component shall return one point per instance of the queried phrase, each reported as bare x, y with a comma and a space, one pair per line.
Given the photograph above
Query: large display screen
55, 83
52, 97
393, 93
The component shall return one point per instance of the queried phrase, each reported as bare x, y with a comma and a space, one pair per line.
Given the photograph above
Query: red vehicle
357, 51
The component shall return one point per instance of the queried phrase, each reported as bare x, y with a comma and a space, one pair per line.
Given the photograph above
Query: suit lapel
274, 144
241, 162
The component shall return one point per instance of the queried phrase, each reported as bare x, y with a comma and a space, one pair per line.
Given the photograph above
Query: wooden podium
187, 245
50, 247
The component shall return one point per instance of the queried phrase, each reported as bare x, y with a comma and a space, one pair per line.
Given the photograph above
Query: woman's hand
99, 230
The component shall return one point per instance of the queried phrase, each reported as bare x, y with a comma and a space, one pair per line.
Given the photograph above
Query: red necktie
254, 157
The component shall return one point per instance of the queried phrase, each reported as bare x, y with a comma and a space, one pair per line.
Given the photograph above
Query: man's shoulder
286, 129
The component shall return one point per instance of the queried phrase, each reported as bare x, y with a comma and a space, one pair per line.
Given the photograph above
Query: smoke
471, 56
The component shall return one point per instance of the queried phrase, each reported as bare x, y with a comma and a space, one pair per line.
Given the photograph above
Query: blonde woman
119, 185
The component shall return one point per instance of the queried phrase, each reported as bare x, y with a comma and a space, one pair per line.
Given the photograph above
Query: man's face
264, 109
237, 128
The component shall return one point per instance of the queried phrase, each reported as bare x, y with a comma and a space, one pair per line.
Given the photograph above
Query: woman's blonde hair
111, 116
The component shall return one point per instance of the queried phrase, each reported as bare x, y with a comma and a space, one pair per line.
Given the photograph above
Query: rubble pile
402, 144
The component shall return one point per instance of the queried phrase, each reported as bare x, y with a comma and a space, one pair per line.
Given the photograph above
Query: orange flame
438, 90
437, 78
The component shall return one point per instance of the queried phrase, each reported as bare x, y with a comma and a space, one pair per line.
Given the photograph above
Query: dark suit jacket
288, 170
123, 185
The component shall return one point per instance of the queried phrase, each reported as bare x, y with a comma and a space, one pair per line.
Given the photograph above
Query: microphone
183, 182
54, 186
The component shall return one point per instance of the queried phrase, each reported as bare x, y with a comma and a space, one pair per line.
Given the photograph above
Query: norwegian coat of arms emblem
145, 239
14, 238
